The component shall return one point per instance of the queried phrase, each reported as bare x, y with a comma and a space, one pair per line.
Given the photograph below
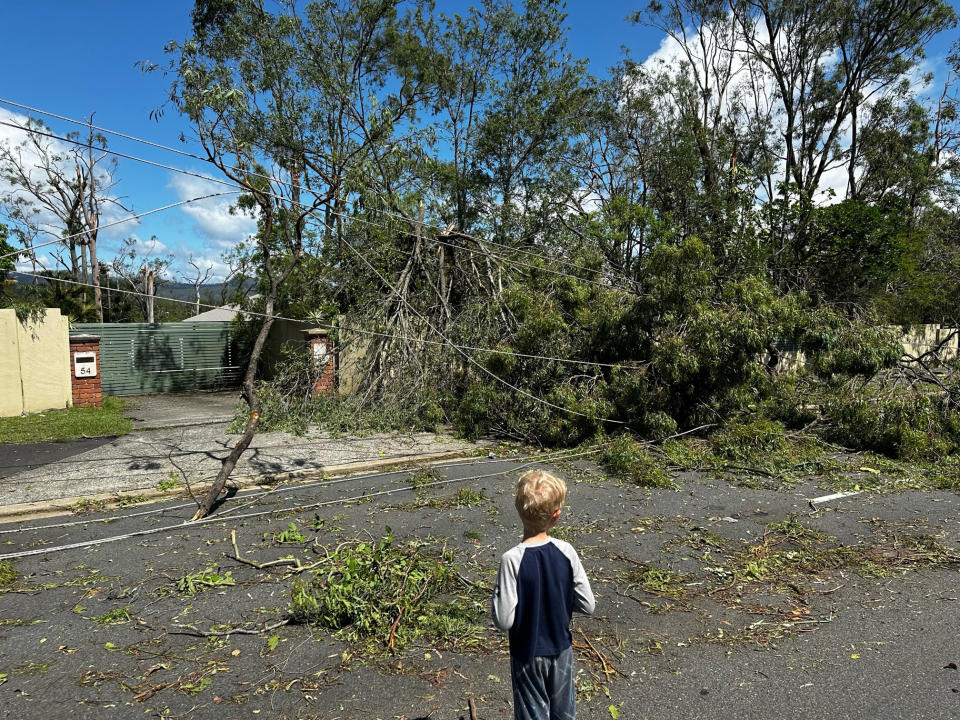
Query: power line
258, 495
264, 176
280, 317
135, 216
54, 136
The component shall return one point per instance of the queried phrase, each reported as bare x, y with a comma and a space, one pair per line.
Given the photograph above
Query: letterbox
84, 364
319, 352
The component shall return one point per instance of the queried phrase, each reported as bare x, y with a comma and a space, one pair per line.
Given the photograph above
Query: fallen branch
191, 630
150, 692
600, 656
295, 565
750, 469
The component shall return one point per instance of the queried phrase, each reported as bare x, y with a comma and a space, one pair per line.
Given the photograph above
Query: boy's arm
583, 600
503, 604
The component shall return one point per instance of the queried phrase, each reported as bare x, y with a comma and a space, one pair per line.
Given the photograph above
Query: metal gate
139, 358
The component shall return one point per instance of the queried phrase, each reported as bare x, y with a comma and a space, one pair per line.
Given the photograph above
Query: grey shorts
543, 689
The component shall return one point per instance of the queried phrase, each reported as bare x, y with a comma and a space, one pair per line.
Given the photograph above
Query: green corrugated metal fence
137, 358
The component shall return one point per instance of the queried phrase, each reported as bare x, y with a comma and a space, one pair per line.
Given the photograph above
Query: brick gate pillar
321, 350
85, 370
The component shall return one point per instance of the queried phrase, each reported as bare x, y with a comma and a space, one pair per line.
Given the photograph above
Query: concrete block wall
925, 338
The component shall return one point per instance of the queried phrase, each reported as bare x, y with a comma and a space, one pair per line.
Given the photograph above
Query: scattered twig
150, 692
676, 435
183, 474
830, 592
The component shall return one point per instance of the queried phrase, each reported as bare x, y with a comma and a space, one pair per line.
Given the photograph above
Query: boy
540, 583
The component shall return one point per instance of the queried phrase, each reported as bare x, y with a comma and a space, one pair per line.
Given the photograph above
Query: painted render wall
34, 364
11, 395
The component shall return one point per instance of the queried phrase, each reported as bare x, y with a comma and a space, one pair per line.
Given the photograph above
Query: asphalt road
840, 644
30, 456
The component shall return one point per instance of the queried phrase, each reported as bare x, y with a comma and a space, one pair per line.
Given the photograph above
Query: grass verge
69, 424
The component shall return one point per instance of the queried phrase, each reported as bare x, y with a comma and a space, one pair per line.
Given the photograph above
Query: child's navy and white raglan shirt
538, 588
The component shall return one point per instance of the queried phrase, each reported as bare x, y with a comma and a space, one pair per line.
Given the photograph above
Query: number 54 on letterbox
84, 364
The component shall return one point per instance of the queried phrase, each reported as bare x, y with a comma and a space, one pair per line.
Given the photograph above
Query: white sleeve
503, 604
583, 600
582, 592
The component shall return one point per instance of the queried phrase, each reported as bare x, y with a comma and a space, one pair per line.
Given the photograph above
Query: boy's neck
533, 536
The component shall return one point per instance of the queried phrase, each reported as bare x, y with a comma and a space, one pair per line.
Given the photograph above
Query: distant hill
212, 293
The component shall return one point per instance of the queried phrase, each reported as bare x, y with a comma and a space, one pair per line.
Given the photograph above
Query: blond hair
539, 496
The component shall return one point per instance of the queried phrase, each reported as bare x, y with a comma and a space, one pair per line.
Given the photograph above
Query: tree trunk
230, 462
86, 274
74, 263
95, 276
852, 165
149, 297
107, 279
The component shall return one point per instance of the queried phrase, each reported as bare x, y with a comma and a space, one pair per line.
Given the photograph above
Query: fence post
85, 370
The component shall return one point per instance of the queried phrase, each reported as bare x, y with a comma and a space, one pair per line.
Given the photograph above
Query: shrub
657, 425
628, 459
751, 442
903, 426
791, 401
837, 347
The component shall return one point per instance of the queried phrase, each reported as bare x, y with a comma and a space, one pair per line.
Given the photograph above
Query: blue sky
74, 58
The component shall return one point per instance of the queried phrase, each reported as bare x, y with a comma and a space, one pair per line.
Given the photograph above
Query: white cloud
148, 248
212, 217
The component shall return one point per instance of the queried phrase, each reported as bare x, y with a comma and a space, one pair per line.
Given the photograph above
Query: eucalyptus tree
139, 267
61, 190
704, 35
298, 108
8, 254
486, 161
827, 64
537, 94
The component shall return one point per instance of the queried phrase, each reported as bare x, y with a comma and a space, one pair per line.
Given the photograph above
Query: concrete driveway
181, 409
162, 458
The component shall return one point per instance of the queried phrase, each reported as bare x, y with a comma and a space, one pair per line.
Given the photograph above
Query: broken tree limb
191, 630
294, 563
